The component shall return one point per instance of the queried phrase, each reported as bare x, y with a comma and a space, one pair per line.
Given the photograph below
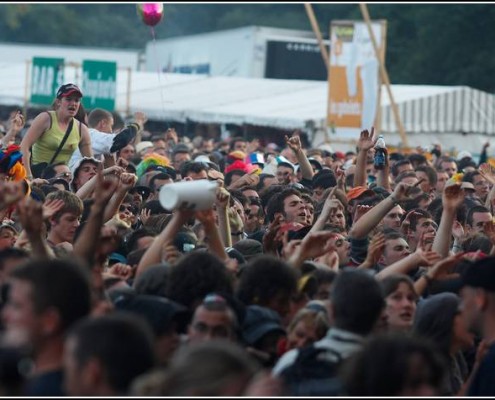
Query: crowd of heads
388, 273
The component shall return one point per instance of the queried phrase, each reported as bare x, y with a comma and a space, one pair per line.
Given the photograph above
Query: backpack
313, 375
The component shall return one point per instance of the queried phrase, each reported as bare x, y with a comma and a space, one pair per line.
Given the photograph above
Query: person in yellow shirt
41, 145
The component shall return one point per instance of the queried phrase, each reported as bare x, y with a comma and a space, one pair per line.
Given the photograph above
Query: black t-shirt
46, 384
484, 383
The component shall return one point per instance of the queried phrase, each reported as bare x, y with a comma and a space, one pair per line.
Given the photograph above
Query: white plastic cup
194, 195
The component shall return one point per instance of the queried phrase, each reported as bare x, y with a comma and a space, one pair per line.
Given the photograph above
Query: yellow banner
354, 79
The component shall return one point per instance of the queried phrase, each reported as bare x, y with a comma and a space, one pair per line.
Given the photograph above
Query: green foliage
437, 44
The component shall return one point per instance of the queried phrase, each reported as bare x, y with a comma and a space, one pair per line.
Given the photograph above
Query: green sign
99, 84
46, 77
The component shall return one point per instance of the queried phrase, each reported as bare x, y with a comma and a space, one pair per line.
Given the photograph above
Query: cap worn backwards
67, 90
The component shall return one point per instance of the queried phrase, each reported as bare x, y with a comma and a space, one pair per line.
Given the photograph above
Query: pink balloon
150, 13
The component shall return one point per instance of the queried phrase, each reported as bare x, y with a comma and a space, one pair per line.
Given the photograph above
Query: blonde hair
316, 319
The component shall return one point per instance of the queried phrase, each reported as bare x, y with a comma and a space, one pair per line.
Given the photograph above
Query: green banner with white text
99, 84
47, 76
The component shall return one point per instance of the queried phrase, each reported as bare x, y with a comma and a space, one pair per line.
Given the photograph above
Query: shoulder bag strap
66, 136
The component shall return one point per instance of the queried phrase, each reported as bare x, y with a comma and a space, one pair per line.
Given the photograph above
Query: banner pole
316, 30
384, 74
323, 49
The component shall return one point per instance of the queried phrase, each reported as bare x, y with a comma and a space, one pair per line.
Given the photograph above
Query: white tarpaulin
441, 112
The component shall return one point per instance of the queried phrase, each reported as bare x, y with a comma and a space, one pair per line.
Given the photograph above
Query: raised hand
122, 163
458, 230
340, 175
206, 217
360, 211
403, 191
294, 143
104, 189
453, 196
114, 169
235, 220
222, 198
128, 180
171, 135
330, 259
406, 223
141, 118
427, 258
120, 270
245, 180
270, 243
316, 244
375, 250
443, 267
17, 121
144, 216
51, 207
367, 140
289, 248
487, 172
31, 216
217, 176
426, 240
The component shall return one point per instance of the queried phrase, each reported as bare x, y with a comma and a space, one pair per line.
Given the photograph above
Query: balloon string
158, 70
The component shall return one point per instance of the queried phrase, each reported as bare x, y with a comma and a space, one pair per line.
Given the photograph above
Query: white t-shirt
101, 143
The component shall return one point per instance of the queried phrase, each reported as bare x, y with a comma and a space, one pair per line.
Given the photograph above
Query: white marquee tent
452, 115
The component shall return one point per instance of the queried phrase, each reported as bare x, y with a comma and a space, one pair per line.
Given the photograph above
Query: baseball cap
357, 192
463, 154
117, 258
9, 225
258, 322
480, 274
467, 185
141, 146
67, 90
249, 248
315, 163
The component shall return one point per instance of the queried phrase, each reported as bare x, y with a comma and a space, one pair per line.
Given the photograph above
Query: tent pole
316, 30
323, 49
26, 90
384, 74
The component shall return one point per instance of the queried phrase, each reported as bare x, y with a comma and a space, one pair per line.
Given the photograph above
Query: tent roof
285, 104
270, 102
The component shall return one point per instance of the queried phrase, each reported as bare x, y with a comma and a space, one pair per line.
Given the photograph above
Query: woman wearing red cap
44, 142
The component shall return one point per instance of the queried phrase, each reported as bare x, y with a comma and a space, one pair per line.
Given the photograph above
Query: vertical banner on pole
47, 76
354, 78
99, 84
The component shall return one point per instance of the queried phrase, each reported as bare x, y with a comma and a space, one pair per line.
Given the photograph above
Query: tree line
434, 44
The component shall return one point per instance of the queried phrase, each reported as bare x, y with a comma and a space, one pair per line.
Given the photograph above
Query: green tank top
45, 147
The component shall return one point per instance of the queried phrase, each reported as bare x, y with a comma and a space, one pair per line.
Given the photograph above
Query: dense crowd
313, 272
